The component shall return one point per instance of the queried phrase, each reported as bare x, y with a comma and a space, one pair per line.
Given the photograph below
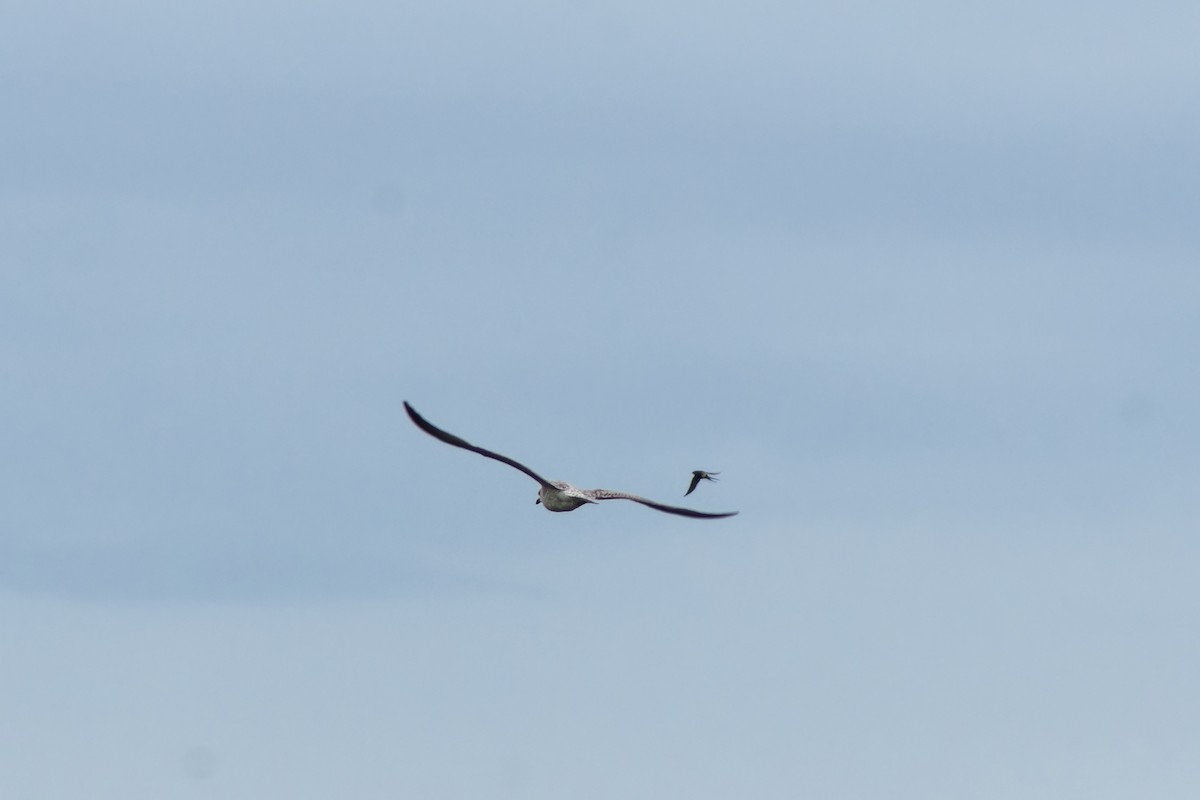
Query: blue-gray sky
919, 279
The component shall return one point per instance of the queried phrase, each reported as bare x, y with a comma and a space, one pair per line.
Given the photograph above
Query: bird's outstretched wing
450, 438
608, 494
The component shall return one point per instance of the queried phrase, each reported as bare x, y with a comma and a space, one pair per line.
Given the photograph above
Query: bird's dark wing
450, 438
608, 494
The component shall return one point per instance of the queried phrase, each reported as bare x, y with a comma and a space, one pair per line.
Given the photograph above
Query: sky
920, 280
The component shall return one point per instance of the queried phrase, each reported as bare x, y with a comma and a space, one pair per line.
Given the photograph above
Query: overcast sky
922, 281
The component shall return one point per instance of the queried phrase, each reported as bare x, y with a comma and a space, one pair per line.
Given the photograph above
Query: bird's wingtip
417, 419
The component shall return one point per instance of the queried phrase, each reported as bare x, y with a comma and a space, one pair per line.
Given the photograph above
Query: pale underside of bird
697, 476
555, 495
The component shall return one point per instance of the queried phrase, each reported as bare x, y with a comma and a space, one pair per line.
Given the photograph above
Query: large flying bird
554, 495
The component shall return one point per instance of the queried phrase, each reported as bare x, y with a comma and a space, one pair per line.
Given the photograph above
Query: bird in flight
554, 495
697, 476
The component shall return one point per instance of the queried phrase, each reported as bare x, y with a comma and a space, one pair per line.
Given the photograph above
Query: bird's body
562, 496
697, 476
554, 495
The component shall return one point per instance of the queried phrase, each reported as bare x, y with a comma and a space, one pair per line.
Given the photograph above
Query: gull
554, 495
697, 476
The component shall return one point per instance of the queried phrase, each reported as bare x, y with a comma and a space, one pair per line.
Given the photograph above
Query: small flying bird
697, 476
555, 495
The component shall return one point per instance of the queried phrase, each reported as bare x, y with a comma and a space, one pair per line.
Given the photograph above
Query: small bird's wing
450, 438
608, 494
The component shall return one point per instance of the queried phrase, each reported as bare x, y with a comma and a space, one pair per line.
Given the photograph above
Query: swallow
697, 476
